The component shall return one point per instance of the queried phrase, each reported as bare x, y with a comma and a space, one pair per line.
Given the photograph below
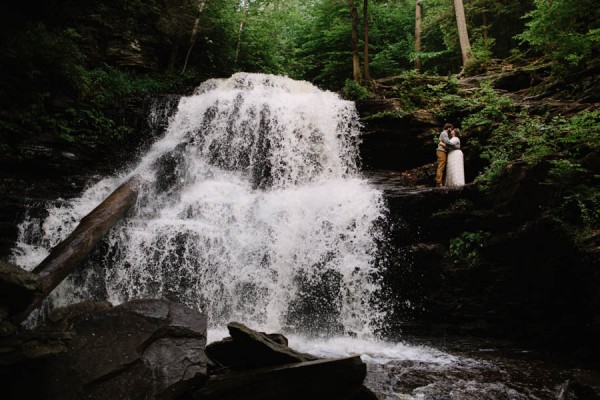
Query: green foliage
579, 197
489, 108
589, 208
542, 138
480, 109
263, 37
324, 48
42, 58
464, 249
440, 38
581, 132
418, 90
354, 91
50, 90
492, 26
324, 45
458, 207
482, 49
109, 85
386, 115
391, 37
564, 30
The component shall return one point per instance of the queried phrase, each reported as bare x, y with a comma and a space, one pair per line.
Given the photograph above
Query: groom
442, 153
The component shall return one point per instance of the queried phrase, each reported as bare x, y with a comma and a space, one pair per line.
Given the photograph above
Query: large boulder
247, 349
143, 349
260, 366
318, 380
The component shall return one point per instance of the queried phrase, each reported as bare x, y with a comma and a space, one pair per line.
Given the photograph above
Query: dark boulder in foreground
17, 288
155, 349
143, 349
253, 365
247, 349
321, 379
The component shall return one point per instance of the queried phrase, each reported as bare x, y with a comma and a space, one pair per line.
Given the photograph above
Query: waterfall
252, 209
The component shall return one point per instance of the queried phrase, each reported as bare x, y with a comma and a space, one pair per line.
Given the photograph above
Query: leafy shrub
464, 249
565, 142
354, 91
489, 108
386, 115
563, 30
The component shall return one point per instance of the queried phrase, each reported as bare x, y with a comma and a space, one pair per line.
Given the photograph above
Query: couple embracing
450, 158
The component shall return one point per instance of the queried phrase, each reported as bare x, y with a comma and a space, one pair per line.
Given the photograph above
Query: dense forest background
64, 62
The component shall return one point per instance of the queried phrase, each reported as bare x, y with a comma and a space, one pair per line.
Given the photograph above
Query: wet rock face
396, 141
139, 350
489, 264
17, 288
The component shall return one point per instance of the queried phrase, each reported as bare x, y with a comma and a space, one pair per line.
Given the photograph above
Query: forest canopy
65, 64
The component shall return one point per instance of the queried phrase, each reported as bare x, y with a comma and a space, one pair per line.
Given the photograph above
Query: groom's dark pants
441, 168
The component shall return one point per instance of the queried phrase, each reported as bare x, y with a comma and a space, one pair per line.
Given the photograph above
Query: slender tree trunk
239, 38
418, 32
173, 58
463, 35
355, 58
366, 48
194, 34
484, 21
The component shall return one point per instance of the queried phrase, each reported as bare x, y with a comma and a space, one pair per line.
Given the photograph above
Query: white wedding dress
455, 170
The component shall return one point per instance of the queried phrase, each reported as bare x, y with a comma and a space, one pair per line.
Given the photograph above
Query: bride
455, 170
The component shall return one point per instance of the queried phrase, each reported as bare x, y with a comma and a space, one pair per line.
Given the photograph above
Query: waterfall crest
252, 210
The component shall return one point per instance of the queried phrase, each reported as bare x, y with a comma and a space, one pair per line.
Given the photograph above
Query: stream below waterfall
253, 209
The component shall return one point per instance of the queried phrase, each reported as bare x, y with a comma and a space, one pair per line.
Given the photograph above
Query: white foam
251, 210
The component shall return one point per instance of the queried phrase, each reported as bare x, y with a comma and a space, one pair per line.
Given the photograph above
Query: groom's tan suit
442, 155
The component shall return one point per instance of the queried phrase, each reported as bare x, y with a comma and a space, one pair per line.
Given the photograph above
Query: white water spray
252, 210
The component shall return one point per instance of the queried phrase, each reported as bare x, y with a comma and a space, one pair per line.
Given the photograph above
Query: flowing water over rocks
253, 209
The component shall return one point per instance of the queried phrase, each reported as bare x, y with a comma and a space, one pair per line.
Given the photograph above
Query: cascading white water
251, 210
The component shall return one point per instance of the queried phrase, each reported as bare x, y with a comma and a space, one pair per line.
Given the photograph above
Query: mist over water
251, 210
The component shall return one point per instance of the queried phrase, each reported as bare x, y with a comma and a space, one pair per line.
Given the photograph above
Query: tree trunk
463, 35
246, 6
484, 21
366, 48
173, 58
355, 59
418, 31
69, 253
201, 4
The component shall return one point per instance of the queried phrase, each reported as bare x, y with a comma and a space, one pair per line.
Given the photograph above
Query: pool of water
460, 369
